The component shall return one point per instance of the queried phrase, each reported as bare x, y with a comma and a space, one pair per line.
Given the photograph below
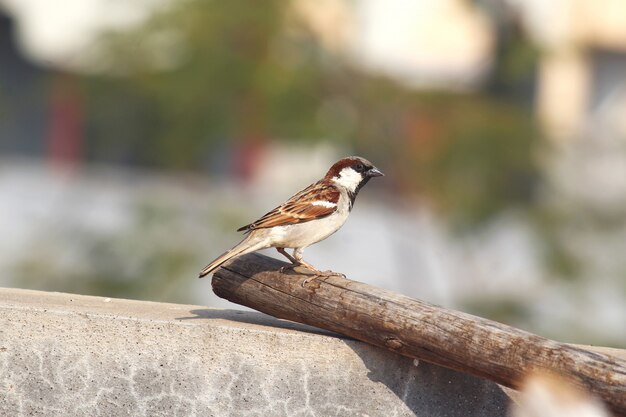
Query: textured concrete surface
70, 355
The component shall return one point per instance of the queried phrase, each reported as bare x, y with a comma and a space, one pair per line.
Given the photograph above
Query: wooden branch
415, 328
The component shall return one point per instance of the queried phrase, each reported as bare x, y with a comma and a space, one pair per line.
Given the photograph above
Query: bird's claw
332, 274
316, 273
324, 274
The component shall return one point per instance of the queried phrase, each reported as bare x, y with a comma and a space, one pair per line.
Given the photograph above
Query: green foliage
471, 155
225, 71
203, 73
485, 161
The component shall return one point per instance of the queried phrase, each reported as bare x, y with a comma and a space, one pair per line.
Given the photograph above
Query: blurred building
583, 67
410, 41
40, 109
22, 100
581, 83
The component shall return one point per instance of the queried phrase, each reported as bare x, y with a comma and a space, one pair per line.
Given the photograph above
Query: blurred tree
470, 155
203, 73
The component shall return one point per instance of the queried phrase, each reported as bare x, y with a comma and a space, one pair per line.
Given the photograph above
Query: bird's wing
316, 201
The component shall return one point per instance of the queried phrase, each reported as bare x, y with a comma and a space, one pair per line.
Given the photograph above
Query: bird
306, 218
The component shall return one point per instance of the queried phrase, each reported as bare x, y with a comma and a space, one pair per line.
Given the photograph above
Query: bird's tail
245, 246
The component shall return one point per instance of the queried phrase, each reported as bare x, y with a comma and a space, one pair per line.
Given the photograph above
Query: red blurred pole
246, 160
65, 128
248, 154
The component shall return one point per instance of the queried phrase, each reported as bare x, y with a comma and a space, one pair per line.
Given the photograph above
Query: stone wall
72, 355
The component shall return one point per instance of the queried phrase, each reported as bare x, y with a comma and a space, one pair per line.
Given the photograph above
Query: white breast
305, 234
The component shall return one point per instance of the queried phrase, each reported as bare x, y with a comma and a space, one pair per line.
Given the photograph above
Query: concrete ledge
71, 355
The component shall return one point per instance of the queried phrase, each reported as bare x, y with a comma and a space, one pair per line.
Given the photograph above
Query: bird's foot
315, 273
330, 273
322, 274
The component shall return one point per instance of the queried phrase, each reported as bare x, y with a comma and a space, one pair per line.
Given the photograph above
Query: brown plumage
300, 208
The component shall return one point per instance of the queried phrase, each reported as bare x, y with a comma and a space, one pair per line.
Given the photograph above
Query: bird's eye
360, 168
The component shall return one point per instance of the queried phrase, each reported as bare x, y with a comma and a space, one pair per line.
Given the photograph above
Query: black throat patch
352, 194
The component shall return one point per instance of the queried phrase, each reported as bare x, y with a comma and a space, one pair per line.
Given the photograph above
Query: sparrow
308, 217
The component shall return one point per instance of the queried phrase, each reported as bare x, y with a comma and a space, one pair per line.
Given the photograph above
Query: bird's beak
374, 172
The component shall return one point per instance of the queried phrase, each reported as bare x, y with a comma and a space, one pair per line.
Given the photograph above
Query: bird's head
352, 173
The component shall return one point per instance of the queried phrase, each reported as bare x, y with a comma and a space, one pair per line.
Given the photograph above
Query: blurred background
135, 137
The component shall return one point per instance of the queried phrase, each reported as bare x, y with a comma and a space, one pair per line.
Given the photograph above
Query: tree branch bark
417, 329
